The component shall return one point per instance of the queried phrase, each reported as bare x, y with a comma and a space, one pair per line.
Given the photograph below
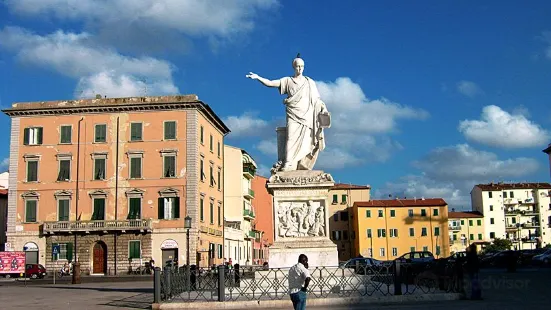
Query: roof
115, 105
465, 214
423, 202
548, 149
349, 186
501, 186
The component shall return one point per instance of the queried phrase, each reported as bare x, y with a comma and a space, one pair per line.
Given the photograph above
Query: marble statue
301, 219
307, 116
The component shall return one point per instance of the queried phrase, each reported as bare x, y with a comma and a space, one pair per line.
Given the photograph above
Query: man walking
299, 278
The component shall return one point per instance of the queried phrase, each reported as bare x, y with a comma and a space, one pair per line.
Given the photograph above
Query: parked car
542, 259
416, 257
35, 271
363, 265
501, 259
526, 256
457, 255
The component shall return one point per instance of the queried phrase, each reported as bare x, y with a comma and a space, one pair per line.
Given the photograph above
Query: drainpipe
76, 265
116, 194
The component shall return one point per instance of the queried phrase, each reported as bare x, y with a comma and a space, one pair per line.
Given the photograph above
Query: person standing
299, 278
473, 268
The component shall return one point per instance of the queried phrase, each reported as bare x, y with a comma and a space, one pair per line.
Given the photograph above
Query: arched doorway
99, 260
31, 252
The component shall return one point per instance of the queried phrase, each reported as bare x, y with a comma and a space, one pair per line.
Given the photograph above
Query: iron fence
225, 284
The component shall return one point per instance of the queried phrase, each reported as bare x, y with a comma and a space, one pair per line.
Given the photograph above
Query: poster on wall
12, 262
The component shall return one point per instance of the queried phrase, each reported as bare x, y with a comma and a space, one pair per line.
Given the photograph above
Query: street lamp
187, 226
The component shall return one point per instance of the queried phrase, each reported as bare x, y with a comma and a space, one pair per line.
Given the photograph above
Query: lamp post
187, 226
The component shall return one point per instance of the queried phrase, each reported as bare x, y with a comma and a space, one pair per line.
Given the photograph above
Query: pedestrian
299, 278
472, 267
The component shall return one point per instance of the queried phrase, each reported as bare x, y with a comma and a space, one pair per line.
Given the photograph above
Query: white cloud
499, 128
451, 172
247, 124
468, 88
98, 69
268, 147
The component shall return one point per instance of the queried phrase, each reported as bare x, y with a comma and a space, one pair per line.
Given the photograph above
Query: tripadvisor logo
501, 283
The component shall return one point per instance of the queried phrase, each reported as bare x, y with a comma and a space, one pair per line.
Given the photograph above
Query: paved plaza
502, 290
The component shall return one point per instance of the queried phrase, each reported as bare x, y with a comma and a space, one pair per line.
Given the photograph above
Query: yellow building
387, 229
465, 228
343, 197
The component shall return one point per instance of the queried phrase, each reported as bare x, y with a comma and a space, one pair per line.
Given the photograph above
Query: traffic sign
55, 249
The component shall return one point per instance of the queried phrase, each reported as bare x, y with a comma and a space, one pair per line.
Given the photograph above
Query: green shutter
30, 212
202, 209
65, 134
134, 249
69, 251
134, 212
26, 136
99, 209
136, 167
176, 207
161, 208
170, 130
136, 131
63, 210
39, 135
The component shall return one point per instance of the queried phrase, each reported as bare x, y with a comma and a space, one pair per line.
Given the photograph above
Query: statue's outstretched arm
266, 82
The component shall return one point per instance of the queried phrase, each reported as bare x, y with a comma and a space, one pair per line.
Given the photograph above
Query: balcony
249, 171
92, 226
454, 227
510, 201
248, 214
512, 226
248, 193
531, 225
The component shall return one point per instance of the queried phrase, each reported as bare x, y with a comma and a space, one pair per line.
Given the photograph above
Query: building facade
343, 196
520, 212
3, 219
239, 213
109, 182
465, 228
387, 229
264, 219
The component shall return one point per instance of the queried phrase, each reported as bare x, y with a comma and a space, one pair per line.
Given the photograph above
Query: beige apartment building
466, 228
109, 181
239, 214
343, 196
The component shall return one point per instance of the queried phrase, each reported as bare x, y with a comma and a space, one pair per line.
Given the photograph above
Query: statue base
301, 219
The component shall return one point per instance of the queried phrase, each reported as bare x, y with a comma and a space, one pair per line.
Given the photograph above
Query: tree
499, 245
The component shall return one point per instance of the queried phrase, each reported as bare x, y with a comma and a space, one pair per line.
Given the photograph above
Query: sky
428, 98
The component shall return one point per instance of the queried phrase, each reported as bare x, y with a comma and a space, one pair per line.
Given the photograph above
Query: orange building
110, 181
264, 221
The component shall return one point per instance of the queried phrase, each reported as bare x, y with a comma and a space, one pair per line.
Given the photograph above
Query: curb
285, 303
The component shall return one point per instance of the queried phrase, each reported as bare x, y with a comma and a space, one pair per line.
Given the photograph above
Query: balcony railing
454, 227
249, 193
249, 171
88, 226
248, 214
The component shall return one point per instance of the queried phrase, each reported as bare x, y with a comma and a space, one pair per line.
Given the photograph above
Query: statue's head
298, 65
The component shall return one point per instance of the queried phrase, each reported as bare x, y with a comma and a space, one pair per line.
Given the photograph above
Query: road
501, 290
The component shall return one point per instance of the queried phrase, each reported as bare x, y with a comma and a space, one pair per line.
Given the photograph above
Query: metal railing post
221, 283
188, 278
397, 278
157, 285
168, 287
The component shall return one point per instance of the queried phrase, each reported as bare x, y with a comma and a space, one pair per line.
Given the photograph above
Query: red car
35, 271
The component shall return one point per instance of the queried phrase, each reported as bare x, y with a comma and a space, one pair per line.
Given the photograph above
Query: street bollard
397, 278
221, 283
188, 278
168, 287
157, 285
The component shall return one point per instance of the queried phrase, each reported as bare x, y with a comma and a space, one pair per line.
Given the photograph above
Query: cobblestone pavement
501, 290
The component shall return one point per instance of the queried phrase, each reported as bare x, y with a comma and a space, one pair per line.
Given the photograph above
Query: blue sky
428, 98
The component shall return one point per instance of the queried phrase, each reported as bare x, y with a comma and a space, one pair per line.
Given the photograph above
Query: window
65, 134
65, 251
32, 170
169, 166
370, 252
344, 215
479, 222
134, 208
381, 233
99, 209
489, 194
470, 222
336, 235
136, 132
100, 133
30, 210
134, 249
382, 251
202, 170
218, 148
435, 212
64, 173
367, 213
423, 231
335, 199
211, 143
63, 207
410, 212
471, 236
202, 209
423, 212
170, 130
201, 135
514, 220
392, 213
491, 220
412, 249
454, 237
412, 232
393, 232
437, 231
336, 217
211, 175
425, 248
462, 222
369, 233
135, 167
511, 194
492, 235
479, 236
219, 178
381, 213
504, 194
169, 208
220, 253
99, 168
491, 208
219, 214
211, 209
32, 136
344, 235
437, 250
343, 201
394, 251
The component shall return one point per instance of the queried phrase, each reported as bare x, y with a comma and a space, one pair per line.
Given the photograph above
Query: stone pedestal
301, 219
